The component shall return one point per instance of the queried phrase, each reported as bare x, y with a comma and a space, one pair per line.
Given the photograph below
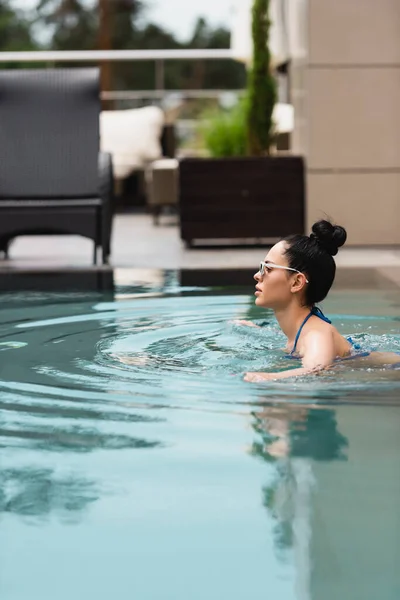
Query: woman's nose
257, 276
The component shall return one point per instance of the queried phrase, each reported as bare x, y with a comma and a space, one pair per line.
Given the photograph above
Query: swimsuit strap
355, 345
318, 313
315, 311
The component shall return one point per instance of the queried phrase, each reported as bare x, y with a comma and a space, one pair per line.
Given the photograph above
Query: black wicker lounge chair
52, 177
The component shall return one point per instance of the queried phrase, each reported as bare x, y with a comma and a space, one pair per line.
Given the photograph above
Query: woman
296, 274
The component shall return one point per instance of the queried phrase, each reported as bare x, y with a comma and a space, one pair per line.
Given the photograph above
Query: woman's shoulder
343, 345
324, 335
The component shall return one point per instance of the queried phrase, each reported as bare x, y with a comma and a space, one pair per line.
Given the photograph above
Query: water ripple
124, 367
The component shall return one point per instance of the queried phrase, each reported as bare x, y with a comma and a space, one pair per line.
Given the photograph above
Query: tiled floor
138, 244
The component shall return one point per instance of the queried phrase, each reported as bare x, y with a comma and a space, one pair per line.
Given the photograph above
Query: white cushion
133, 137
283, 117
165, 164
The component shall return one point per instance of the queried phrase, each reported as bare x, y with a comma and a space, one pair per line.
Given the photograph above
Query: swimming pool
136, 463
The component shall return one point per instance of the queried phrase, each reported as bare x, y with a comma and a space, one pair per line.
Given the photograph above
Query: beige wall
346, 93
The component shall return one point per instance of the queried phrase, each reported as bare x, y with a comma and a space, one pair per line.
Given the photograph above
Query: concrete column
345, 87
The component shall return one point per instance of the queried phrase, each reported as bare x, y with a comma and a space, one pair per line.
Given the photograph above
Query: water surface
136, 462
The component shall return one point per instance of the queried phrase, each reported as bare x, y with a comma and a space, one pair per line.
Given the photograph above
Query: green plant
247, 129
225, 132
261, 84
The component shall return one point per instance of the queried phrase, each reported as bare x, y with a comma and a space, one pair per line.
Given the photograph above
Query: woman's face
274, 288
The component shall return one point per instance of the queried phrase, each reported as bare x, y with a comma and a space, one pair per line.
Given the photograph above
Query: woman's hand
258, 377
244, 322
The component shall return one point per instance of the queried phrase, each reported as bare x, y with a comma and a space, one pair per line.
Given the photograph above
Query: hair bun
329, 236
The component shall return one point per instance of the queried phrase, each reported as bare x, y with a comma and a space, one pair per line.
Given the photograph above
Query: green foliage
15, 33
248, 128
212, 74
75, 26
225, 132
262, 85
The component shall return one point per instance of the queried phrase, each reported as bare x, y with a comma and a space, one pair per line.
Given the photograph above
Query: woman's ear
298, 283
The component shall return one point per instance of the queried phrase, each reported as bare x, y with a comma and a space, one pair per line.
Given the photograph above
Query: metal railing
113, 55
159, 94
50, 57
157, 56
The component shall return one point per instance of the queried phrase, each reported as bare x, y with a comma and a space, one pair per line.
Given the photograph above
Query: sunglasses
267, 266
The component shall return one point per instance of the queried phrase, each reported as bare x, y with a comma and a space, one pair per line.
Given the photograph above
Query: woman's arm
318, 354
246, 323
258, 377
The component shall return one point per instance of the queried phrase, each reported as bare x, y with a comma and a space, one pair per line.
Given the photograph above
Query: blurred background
139, 25
328, 78
153, 177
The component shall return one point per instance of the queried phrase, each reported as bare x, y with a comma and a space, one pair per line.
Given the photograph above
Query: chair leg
95, 254
105, 254
102, 235
156, 214
4, 249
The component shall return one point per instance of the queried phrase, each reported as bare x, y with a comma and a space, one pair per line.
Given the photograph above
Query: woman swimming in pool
296, 274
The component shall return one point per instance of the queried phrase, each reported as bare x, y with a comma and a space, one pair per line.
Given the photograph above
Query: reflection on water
33, 492
290, 437
331, 494
298, 431
131, 421
77, 439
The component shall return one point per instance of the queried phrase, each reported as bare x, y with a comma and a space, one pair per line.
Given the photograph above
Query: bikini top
317, 312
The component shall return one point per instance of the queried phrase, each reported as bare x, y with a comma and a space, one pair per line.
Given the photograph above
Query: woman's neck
290, 319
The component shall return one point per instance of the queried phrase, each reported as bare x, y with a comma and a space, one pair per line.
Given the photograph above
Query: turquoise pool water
136, 463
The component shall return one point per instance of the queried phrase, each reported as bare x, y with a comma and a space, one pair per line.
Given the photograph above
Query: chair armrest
106, 177
106, 193
168, 141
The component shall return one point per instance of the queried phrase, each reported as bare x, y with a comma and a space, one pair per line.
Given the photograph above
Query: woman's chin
262, 302
259, 301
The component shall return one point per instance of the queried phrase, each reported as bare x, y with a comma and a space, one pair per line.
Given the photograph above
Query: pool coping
106, 278
139, 247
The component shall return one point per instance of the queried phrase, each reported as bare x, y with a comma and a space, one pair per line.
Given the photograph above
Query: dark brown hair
313, 256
